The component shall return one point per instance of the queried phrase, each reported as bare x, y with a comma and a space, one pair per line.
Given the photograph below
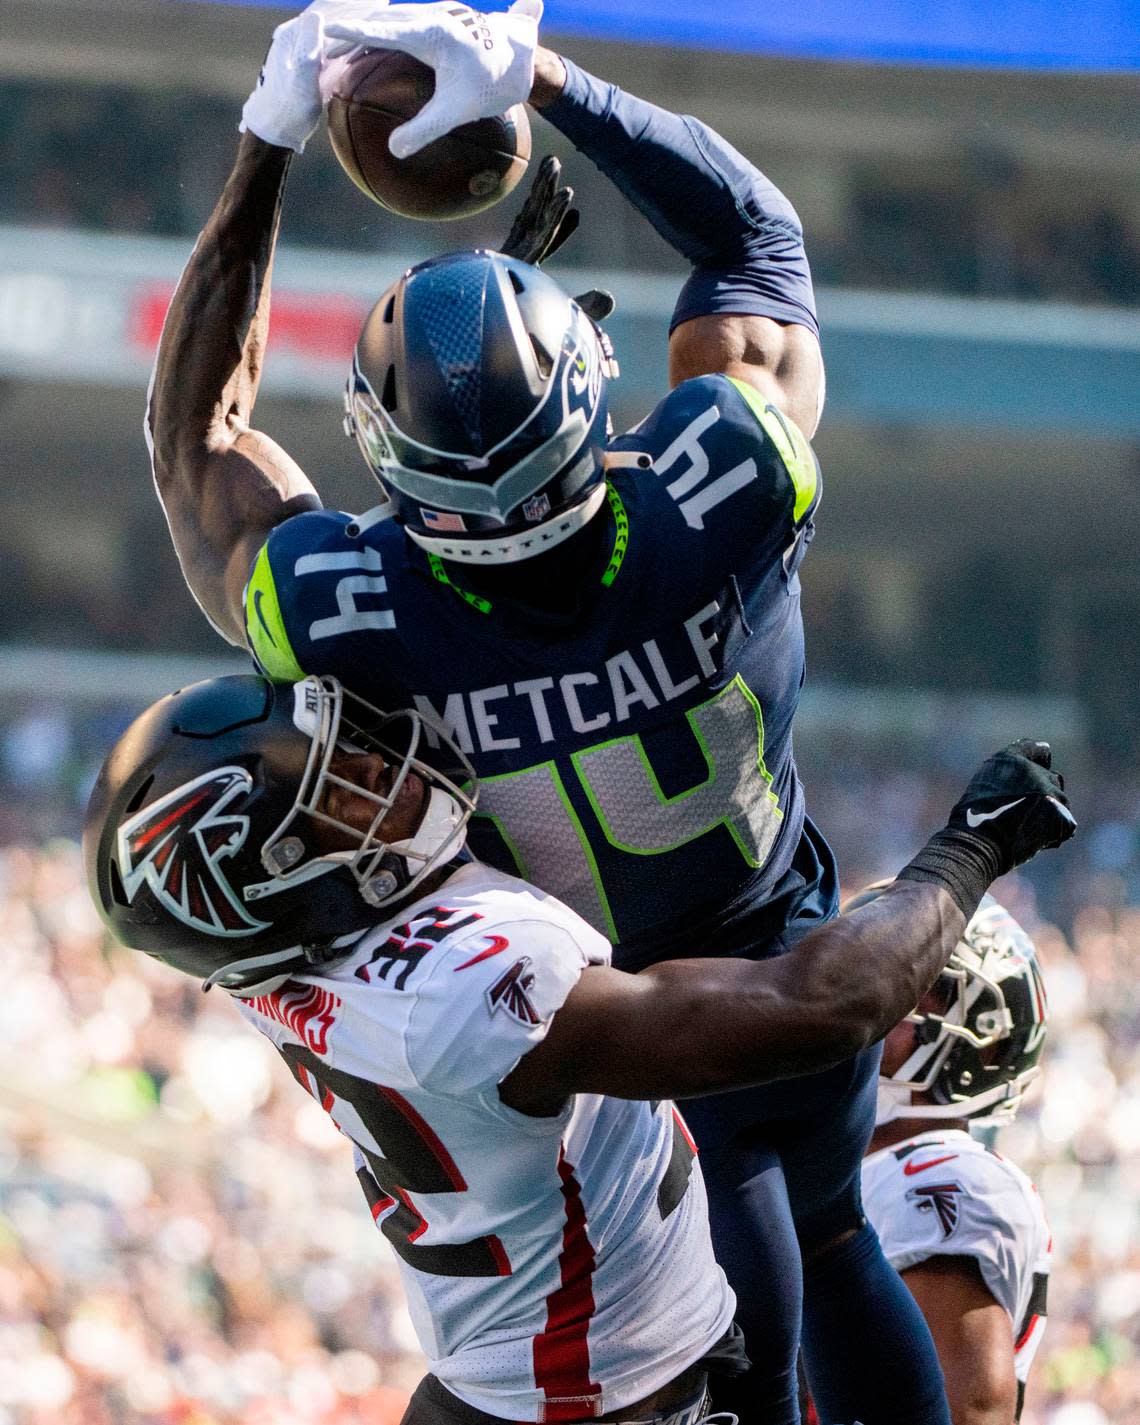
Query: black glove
1015, 802
1014, 806
546, 219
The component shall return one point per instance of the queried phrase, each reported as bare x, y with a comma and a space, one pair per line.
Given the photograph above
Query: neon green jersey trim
265, 627
792, 444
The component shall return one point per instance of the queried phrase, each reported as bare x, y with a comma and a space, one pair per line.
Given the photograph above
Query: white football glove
483, 63
285, 107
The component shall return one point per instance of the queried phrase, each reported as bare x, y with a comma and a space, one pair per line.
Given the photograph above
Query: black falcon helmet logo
174, 847
940, 1198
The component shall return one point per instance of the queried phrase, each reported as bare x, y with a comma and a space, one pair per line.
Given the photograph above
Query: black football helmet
478, 398
195, 838
977, 1053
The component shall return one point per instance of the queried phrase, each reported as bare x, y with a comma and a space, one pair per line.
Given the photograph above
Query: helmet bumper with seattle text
201, 840
478, 398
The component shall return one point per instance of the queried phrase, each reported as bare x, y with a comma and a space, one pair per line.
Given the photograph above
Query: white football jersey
555, 1268
944, 1194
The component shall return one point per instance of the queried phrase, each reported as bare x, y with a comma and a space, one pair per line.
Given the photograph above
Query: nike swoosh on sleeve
975, 818
257, 596
498, 944
911, 1168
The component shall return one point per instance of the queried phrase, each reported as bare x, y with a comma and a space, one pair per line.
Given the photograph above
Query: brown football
462, 173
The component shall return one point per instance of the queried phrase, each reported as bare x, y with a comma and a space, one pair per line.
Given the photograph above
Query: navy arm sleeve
739, 231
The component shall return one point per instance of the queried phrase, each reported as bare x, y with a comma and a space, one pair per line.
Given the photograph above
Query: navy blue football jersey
635, 760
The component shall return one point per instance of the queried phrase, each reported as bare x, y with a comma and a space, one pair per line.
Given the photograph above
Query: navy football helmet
478, 398
201, 842
977, 1052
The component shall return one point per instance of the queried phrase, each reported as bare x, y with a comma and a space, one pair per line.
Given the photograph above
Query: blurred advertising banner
1024, 34
90, 308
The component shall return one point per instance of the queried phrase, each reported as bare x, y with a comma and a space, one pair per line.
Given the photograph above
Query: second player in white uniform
963, 1224
944, 1194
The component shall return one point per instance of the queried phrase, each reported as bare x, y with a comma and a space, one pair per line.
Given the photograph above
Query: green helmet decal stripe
265, 626
792, 444
621, 534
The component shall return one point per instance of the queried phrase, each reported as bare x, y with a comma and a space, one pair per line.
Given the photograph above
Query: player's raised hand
483, 64
1017, 803
546, 219
285, 106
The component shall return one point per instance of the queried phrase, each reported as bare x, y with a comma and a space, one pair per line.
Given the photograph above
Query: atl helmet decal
175, 844
941, 1198
509, 992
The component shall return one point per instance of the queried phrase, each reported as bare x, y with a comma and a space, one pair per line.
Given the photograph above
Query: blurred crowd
182, 1241
970, 222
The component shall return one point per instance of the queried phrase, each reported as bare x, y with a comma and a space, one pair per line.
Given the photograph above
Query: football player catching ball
610, 626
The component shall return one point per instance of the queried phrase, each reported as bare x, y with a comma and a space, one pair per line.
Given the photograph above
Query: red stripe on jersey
382, 1204
419, 1231
1025, 1335
428, 1136
561, 1352
685, 1134
499, 1255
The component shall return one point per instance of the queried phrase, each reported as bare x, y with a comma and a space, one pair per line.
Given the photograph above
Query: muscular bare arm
973, 1337
690, 1027
223, 485
782, 360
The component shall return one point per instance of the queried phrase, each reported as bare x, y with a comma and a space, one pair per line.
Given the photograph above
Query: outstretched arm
223, 485
692, 1027
748, 309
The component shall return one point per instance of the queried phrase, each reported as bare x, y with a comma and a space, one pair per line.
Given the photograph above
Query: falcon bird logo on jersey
510, 992
174, 847
941, 1198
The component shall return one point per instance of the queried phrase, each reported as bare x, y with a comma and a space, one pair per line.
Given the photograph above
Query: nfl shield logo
536, 509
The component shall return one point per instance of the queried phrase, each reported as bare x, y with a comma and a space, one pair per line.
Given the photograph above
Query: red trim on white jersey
684, 1127
561, 1352
427, 1135
1030, 1327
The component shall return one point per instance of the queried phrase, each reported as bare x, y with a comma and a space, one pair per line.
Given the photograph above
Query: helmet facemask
975, 1054
384, 871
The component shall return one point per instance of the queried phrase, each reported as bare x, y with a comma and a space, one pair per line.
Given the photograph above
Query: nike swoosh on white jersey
975, 818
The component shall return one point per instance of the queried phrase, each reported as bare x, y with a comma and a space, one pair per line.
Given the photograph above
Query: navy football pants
782, 1166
